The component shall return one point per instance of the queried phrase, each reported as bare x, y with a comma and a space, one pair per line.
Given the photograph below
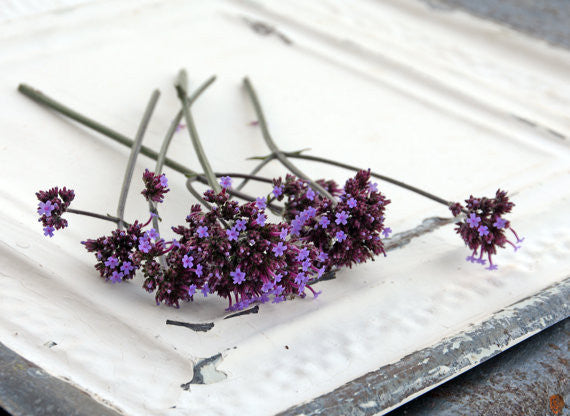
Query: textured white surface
434, 100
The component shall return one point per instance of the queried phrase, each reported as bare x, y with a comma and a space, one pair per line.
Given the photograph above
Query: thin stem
49, 102
197, 195
95, 215
133, 156
273, 147
158, 169
253, 172
298, 155
181, 88
261, 165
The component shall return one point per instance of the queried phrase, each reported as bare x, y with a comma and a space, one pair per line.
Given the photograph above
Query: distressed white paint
422, 96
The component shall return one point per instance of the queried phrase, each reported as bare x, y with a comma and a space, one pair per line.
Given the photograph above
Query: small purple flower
500, 223
483, 230
112, 262
240, 225
232, 234
199, 270
340, 236
163, 181
322, 256
320, 272
126, 267
306, 264
373, 187
297, 226
202, 231
46, 208
116, 277
48, 231
267, 286
261, 219
279, 249
260, 203
341, 217
152, 233
226, 182
310, 194
473, 221
324, 222
277, 191
310, 212
205, 290
278, 278
278, 299
386, 232
238, 276
187, 261
351, 202
283, 234
145, 246
191, 290
300, 279
303, 253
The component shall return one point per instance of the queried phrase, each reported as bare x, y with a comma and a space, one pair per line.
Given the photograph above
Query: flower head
484, 228
155, 186
53, 204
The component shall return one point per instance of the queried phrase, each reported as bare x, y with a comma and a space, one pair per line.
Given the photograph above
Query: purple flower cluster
346, 233
116, 254
155, 186
484, 227
233, 252
53, 203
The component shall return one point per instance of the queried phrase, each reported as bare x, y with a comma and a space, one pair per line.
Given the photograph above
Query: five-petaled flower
202, 231
341, 217
187, 261
238, 276
226, 182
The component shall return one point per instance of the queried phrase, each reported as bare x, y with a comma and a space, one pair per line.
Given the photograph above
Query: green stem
273, 147
95, 215
298, 155
158, 169
133, 156
49, 102
182, 88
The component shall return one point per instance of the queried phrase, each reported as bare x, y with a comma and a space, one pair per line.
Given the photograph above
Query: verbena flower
484, 227
155, 186
225, 182
53, 204
116, 253
245, 263
347, 233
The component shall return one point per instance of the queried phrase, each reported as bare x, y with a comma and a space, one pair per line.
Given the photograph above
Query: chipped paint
395, 384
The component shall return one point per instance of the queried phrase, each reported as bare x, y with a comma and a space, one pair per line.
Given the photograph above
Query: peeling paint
205, 327
255, 309
395, 384
205, 372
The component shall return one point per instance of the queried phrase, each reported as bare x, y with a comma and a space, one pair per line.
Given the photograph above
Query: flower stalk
182, 88
273, 147
135, 149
